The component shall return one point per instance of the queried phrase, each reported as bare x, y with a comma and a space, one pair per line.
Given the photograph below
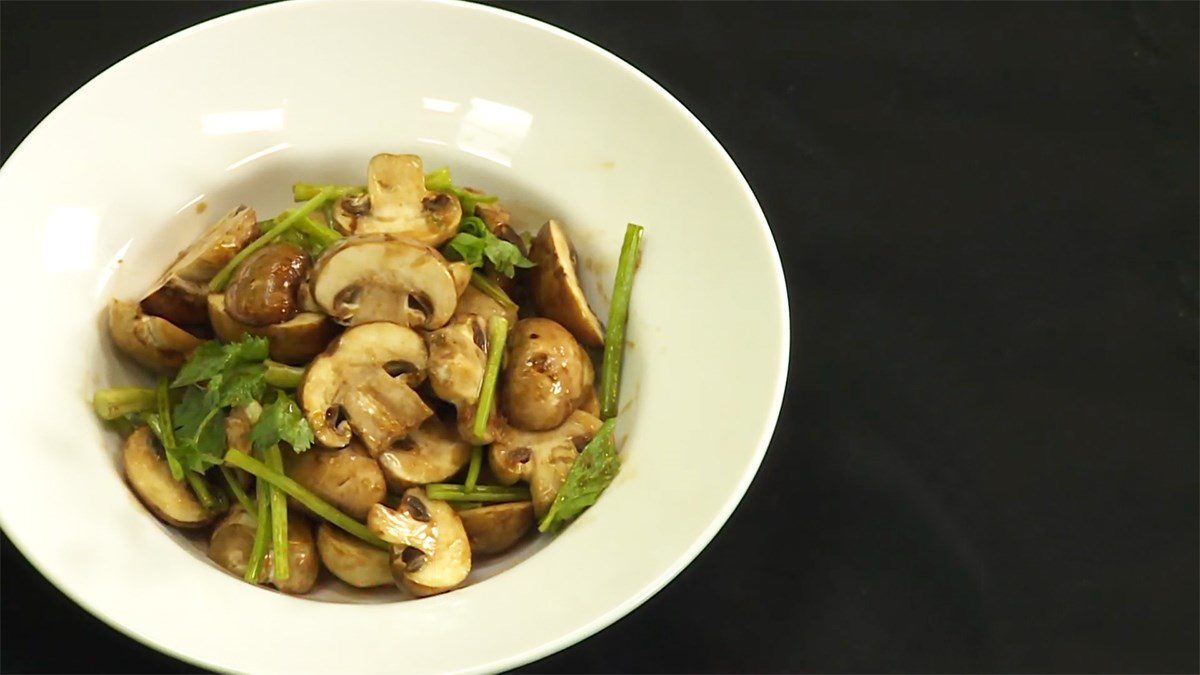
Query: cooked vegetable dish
387, 381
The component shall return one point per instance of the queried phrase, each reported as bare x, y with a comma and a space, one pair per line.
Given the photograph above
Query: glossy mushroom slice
541, 458
555, 287
383, 277
398, 203
547, 375
457, 360
152, 341
430, 550
474, 302
497, 527
179, 294
346, 477
295, 341
364, 382
351, 559
149, 476
431, 453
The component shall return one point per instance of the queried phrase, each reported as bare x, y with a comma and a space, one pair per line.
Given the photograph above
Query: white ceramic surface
236, 109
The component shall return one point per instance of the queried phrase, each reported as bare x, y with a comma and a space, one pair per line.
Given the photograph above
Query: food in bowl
332, 380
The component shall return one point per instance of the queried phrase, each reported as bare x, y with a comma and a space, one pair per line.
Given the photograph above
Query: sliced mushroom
555, 287
475, 302
546, 377
398, 203
461, 272
148, 474
364, 381
303, 561
496, 528
430, 550
542, 458
347, 477
294, 341
263, 290
457, 360
351, 559
179, 294
152, 341
383, 277
432, 453
232, 542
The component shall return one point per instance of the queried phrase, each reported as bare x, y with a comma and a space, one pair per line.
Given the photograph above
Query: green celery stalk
302, 192
262, 532
304, 496
497, 335
235, 486
282, 375
473, 469
618, 314
450, 492
111, 404
279, 520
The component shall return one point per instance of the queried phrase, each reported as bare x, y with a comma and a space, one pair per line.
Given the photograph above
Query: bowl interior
108, 188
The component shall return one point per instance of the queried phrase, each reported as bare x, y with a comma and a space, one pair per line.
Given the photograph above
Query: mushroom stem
121, 401
490, 289
219, 282
279, 521
618, 314
304, 496
449, 492
282, 375
497, 334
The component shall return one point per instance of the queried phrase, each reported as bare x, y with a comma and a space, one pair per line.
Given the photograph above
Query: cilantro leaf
212, 357
241, 385
589, 476
475, 242
469, 248
282, 420
199, 431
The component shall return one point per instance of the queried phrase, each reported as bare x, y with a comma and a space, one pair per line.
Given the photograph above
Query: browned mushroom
430, 550
148, 474
179, 294
554, 284
383, 277
346, 477
497, 527
294, 341
548, 375
542, 458
364, 381
263, 289
152, 341
398, 203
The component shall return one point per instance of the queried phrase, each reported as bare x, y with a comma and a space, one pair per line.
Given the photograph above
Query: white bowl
104, 192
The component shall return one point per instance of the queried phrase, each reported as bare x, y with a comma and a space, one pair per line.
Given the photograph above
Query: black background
987, 456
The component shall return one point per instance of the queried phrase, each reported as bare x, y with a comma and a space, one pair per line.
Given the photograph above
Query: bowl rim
597, 623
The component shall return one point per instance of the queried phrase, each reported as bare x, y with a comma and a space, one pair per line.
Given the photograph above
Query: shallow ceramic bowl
100, 197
